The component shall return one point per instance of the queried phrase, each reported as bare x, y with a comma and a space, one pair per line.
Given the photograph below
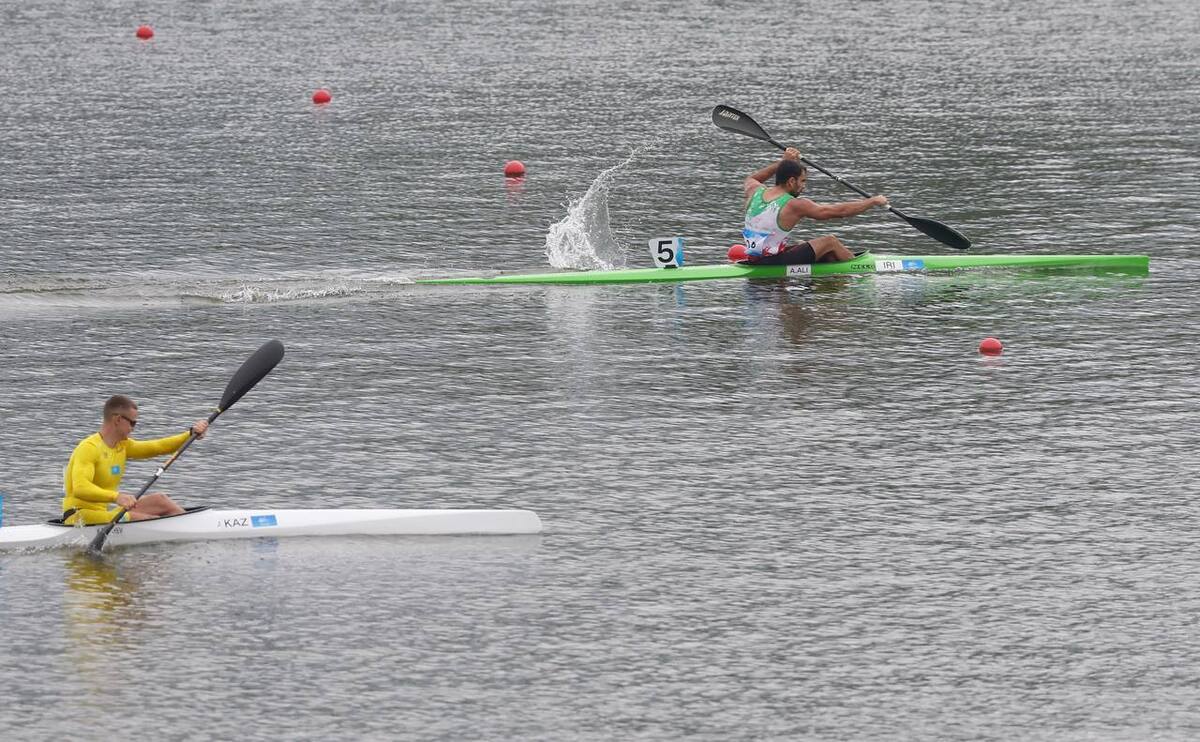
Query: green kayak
863, 264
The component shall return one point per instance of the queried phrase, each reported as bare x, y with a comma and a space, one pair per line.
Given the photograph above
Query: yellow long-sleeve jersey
94, 472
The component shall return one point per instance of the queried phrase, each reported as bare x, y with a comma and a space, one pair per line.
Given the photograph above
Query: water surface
773, 511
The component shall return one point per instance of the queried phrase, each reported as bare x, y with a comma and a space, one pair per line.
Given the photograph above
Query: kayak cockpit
186, 511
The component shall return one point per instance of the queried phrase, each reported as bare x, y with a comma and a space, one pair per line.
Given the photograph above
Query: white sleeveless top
762, 234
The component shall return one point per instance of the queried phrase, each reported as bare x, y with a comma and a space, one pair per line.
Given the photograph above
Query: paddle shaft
734, 120
98, 542
251, 372
840, 180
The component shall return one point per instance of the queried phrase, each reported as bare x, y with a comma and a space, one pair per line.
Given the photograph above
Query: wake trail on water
583, 239
65, 292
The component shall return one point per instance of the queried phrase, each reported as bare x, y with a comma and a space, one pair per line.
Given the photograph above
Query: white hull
203, 525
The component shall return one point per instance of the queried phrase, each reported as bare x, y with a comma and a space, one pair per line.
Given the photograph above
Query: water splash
583, 239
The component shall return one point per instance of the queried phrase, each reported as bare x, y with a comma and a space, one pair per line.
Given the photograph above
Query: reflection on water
103, 617
514, 188
878, 304
101, 602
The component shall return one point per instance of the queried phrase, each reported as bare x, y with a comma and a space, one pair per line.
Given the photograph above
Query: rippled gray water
772, 511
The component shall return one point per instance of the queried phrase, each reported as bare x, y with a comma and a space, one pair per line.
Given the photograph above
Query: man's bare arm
808, 209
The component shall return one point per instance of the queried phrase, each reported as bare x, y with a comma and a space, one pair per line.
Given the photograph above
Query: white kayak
202, 524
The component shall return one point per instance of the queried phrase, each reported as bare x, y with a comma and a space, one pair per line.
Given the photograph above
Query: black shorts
794, 254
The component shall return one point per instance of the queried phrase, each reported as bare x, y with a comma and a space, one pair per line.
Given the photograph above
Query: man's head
792, 176
122, 413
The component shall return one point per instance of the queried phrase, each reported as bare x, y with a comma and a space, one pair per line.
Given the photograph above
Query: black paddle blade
731, 119
252, 371
938, 231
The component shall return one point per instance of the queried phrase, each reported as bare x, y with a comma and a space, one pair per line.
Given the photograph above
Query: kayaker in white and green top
772, 212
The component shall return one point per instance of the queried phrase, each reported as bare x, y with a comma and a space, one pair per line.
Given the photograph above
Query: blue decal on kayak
115, 469
262, 521
914, 265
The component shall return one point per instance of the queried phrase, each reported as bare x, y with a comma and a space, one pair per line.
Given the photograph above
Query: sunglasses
130, 420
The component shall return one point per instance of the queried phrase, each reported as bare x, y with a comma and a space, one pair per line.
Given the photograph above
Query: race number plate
667, 252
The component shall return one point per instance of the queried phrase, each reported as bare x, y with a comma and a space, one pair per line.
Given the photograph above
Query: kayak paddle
252, 371
731, 119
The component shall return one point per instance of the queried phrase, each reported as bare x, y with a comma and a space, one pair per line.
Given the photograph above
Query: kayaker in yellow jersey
94, 472
772, 212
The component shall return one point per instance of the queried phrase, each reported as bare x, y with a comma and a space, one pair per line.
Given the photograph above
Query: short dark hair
787, 170
118, 403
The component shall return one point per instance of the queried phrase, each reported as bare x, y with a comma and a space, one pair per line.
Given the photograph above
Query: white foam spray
583, 239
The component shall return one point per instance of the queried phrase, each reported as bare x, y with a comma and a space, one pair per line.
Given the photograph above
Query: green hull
865, 263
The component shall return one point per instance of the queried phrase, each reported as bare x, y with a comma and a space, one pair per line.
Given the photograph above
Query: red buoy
737, 253
991, 347
514, 169
322, 96
144, 32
